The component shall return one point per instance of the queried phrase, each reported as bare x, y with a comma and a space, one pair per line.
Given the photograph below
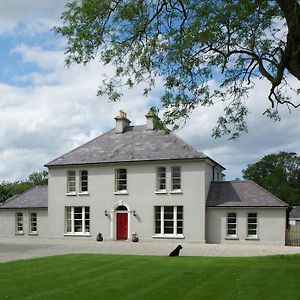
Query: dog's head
179, 247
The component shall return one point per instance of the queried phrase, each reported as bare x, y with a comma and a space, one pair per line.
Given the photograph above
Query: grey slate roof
295, 213
241, 194
135, 144
37, 197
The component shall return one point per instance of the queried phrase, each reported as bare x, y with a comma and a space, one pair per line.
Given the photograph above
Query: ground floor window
77, 219
252, 225
33, 222
168, 220
231, 225
19, 222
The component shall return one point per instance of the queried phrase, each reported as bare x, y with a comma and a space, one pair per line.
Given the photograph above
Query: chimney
151, 118
121, 122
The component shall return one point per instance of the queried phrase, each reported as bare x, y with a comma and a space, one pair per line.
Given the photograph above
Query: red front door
122, 226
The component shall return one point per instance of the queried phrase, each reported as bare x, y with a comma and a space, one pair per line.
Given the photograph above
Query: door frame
113, 219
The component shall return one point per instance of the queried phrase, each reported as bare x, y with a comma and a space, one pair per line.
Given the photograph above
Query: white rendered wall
141, 197
271, 225
8, 221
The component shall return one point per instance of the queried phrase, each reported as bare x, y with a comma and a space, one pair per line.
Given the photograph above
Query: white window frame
19, 223
33, 223
71, 182
161, 179
71, 220
83, 184
160, 222
251, 235
120, 183
175, 187
229, 216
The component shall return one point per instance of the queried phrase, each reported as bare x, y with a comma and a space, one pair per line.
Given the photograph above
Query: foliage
279, 174
145, 277
188, 43
9, 189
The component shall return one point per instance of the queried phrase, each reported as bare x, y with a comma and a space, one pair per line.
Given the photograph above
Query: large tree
187, 43
279, 174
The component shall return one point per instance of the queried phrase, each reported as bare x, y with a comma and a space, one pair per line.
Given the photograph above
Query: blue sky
47, 109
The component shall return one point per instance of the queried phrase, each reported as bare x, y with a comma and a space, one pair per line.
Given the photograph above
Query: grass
109, 277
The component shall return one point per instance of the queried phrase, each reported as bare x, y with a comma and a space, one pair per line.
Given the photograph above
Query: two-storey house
148, 181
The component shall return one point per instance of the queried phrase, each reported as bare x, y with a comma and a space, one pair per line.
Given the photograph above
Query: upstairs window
71, 181
120, 180
83, 181
161, 179
252, 225
176, 178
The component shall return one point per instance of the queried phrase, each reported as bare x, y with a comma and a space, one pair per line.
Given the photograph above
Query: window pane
71, 180
33, 222
231, 224
176, 178
252, 224
121, 179
84, 181
161, 178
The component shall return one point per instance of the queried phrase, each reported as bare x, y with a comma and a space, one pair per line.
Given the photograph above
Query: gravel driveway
14, 248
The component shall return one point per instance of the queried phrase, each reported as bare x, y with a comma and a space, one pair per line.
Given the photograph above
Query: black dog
176, 251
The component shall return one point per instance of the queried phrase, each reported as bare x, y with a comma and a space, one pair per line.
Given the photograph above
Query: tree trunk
291, 12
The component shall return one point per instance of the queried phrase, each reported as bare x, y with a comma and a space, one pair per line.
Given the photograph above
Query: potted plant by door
99, 237
135, 237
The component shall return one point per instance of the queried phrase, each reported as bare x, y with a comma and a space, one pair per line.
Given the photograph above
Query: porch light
105, 212
134, 213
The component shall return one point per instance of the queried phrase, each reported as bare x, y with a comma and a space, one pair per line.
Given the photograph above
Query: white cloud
29, 16
56, 114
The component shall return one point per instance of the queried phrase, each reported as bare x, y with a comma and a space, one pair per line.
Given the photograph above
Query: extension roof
135, 144
295, 212
37, 197
241, 194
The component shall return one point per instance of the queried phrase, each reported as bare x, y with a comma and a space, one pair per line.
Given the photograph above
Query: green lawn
109, 277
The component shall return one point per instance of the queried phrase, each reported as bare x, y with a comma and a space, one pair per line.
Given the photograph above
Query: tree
187, 43
279, 174
9, 189
38, 178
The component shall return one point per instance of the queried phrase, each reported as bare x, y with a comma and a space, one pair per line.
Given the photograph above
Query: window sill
121, 192
83, 194
165, 236
19, 233
232, 238
32, 233
71, 194
176, 192
161, 192
77, 234
252, 238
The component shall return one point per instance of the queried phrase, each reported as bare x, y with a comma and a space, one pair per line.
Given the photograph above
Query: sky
47, 109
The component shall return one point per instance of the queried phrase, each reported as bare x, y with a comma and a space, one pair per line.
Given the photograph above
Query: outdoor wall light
105, 212
134, 213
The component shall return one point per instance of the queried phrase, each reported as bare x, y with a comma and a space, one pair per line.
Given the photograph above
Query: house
294, 216
148, 181
26, 213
